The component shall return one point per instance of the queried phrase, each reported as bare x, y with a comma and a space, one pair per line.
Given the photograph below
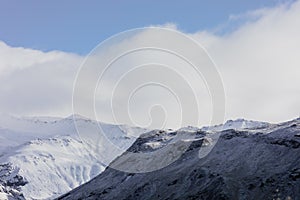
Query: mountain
51, 158
10, 182
256, 162
238, 124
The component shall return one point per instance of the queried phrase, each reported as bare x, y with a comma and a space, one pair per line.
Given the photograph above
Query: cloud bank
33, 82
260, 65
258, 61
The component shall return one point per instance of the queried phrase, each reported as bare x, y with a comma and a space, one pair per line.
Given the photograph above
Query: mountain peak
237, 124
76, 117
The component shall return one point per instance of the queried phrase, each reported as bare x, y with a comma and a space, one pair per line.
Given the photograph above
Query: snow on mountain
189, 129
238, 124
52, 157
53, 166
10, 182
261, 162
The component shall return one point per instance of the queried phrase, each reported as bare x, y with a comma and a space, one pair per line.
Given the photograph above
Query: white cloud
259, 63
33, 82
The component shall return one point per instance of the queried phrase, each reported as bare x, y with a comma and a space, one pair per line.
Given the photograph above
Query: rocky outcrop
11, 182
257, 163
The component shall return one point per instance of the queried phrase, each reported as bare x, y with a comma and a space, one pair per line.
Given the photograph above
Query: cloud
33, 82
258, 61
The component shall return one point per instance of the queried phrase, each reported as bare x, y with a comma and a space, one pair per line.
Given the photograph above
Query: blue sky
79, 26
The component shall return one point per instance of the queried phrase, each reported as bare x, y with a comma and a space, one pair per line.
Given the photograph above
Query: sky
255, 47
78, 26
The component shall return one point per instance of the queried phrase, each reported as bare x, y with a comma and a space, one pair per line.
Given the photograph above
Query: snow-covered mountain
238, 124
49, 155
256, 162
44, 157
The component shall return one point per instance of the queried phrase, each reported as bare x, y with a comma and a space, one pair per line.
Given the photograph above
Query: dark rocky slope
11, 182
257, 163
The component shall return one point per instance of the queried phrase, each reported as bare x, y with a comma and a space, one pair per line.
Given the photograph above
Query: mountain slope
10, 182
53, 166
257, 163
50, 155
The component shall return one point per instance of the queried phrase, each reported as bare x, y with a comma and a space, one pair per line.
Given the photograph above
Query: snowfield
52, 158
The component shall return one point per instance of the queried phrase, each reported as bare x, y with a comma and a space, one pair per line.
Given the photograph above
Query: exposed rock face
257, 163
10, 183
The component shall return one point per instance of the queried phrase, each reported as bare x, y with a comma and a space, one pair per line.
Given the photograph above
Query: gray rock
244, 164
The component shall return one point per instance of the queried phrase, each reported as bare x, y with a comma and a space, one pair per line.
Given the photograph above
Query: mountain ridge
261, 163
47, 152
49, 148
